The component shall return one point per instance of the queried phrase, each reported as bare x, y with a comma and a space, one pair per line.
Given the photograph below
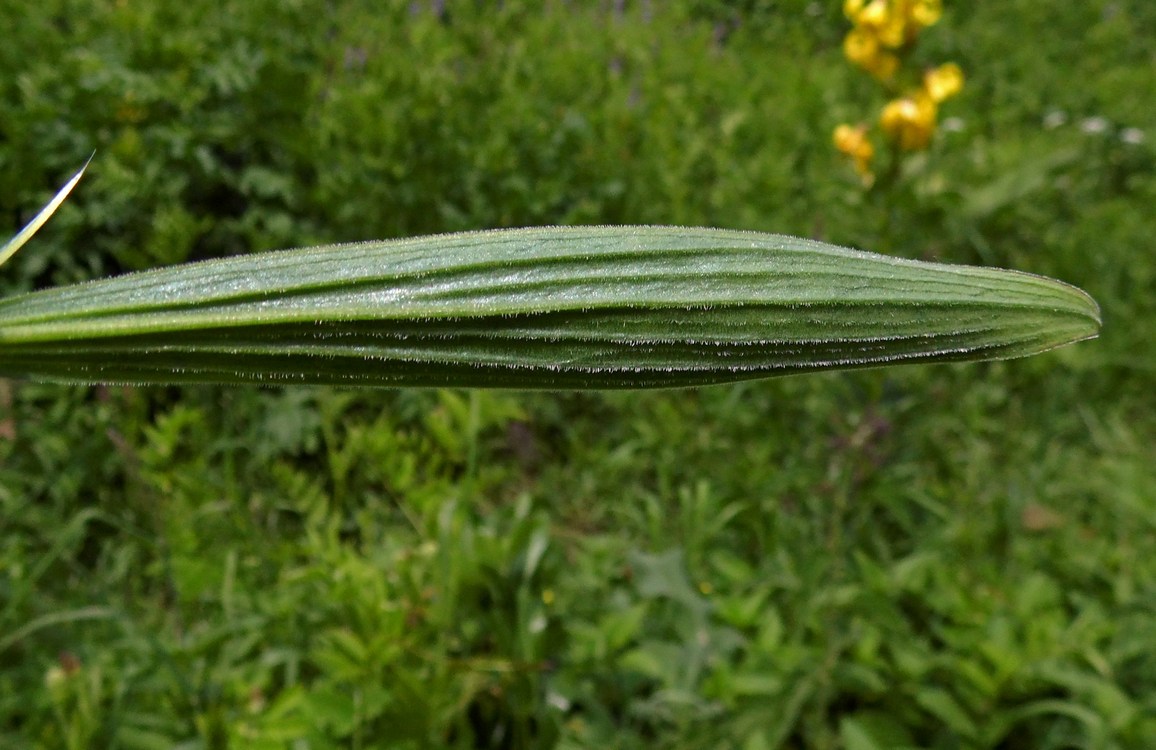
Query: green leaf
554, 308
944, 707
873, 730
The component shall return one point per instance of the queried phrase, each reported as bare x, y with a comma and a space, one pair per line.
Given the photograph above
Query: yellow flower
875, 14
894, 23
943, 82
926, 12
884, 21
861, 47
852, 140
909, 121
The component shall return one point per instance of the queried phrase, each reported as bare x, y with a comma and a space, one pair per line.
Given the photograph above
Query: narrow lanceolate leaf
585, 307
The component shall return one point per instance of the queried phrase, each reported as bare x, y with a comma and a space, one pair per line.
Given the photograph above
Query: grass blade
45, 214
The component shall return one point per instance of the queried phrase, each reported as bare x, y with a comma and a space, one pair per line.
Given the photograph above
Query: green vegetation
949, 556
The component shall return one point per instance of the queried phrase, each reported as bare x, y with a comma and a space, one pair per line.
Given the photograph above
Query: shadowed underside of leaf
581, 307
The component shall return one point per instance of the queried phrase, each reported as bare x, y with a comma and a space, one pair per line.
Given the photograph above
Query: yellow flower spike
852, 8
943, 82
909, 121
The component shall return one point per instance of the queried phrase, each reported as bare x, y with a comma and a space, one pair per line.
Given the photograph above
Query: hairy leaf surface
563, 307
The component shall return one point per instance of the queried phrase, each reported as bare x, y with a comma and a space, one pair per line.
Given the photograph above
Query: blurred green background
925, 557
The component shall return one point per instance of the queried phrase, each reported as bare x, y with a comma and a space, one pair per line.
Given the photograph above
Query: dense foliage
938, 557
